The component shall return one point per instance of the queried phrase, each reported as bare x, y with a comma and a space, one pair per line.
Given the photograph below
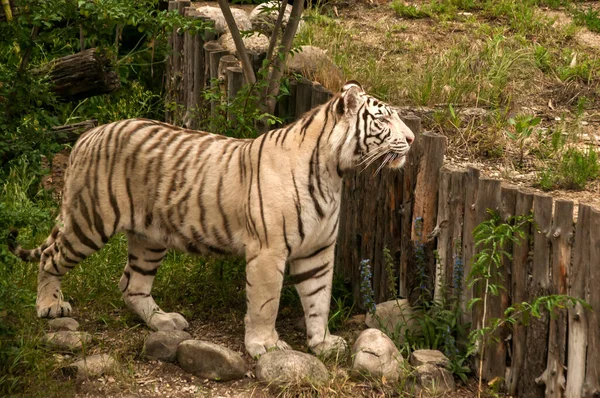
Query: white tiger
274, 199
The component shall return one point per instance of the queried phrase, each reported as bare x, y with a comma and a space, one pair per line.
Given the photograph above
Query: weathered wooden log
303, 97
170, 98
82, 75
225, 62
519, 278
578, 326
320, 95
70, 133
409, 182
494, 357
235, 82
536, 350
469, 224
451, 211
561, 234
591, 385
424, 217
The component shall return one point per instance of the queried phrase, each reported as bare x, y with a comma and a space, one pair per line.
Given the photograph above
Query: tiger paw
331, 346
53, 308
257, 348
167, 321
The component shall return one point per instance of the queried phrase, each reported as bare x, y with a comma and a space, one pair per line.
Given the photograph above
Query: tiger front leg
264, 279
313, 277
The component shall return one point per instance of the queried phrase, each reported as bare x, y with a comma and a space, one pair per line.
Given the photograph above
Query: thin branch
239, 43
268, 98
27, 52
278, 23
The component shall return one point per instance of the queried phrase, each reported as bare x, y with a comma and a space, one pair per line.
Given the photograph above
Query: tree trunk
82, 75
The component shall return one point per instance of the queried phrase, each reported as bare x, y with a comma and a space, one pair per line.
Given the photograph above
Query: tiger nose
410, 137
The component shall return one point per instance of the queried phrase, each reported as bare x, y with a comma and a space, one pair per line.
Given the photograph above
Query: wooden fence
425, 215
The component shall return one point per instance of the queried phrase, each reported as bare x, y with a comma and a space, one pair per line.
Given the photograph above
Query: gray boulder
290, 367
67, 341
162, 345
93, 366
63, 324
375, 355
210, 361
214, 13
264, 17
434, 380
393, 315
256, 42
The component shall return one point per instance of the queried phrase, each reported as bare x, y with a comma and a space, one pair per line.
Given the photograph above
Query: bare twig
267, 102
27, 53
239, 43
275, 34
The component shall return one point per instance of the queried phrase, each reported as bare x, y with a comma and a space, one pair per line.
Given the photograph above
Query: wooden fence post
536, 350
591, 385
235, 82
562, 234
578, 327
303, 97
409, 181
494, 357
170, 70
451, 208
469, 224
320, 95
424, 216
519, 277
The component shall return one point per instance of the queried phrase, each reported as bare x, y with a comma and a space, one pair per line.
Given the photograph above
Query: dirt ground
155, 379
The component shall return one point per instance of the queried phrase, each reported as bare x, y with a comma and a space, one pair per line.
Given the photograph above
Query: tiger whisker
385, 162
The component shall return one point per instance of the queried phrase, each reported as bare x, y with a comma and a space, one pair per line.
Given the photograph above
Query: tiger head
371, 129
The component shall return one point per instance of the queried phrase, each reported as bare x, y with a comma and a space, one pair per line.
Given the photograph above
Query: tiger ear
351, 97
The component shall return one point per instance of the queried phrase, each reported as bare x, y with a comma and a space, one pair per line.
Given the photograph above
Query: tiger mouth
396, 161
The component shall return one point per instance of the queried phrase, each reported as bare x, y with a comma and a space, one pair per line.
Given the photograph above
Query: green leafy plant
523, 127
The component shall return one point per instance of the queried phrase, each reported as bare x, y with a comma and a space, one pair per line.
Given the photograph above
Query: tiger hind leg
70, 246
136, 284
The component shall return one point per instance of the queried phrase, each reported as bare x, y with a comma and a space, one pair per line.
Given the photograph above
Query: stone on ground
162, 345
290, 367
434, 380
391, 316
63, 324
67, 341
376, 356
431, 357
264, 17
214, 13
93, 366
210, 361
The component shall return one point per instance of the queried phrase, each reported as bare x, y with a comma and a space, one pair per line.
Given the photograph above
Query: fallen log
82, 75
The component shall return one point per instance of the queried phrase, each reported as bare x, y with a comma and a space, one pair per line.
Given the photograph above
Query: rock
210, 361
93, 366
63, 324
241, 18
434, 379
375, 355
314, 64
67, 341
430, 357
264, 16
391, 316
308, 60
290, 367
256, 42
162, 345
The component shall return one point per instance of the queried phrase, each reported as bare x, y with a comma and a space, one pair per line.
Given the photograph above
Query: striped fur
274, 200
